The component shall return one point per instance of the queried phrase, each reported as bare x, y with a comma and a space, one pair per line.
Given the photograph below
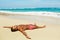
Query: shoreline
48, 14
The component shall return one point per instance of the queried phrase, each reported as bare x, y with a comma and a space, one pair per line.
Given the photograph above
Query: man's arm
7, 27
24, 33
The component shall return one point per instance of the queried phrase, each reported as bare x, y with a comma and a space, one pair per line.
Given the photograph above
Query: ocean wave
42, 13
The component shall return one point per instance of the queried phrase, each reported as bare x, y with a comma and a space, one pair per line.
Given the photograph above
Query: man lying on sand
23, 27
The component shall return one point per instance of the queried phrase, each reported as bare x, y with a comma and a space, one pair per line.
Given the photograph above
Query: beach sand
51, 32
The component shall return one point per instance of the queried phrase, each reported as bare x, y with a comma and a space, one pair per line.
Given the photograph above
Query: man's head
13, 29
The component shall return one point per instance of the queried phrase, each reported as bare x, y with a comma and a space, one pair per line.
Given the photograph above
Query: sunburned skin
22, 28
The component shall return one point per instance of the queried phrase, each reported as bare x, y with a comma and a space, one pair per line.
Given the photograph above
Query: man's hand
28, 37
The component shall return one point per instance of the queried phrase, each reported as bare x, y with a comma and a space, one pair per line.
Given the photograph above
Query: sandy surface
51, 32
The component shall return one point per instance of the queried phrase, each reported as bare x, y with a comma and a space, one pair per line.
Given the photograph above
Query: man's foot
44, 26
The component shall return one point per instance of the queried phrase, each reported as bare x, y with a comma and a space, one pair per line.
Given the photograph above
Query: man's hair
13, 30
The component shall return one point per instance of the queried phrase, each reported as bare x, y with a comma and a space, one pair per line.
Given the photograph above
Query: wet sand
51, 32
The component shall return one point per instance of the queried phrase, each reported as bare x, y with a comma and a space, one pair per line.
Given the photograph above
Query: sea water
53, 12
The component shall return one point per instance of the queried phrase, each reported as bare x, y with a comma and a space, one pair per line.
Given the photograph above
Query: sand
51, 32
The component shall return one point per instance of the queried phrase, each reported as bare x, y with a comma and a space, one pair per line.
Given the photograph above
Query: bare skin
23, 28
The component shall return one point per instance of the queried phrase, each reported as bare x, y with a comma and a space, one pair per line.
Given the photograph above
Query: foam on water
42, 13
